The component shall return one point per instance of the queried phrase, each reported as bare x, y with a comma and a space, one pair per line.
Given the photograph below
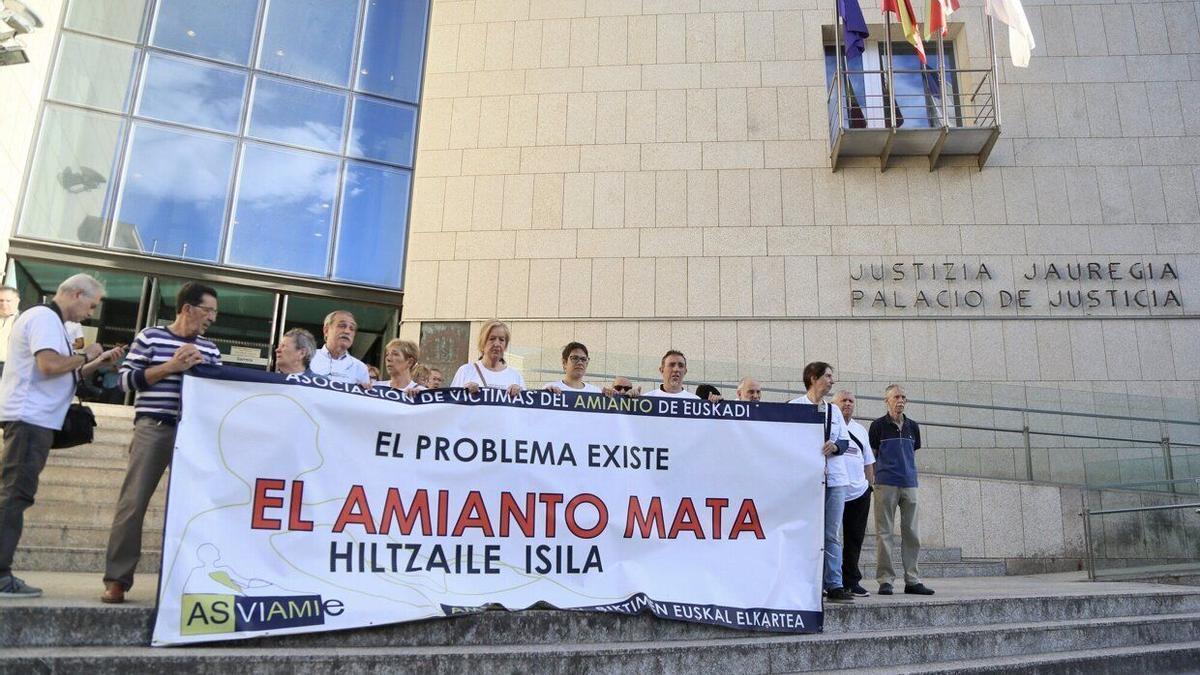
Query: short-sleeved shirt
497, 379
895, 450
412, 387
585, 389
658, 392
345, 369
858, 456
835, 467
25, 393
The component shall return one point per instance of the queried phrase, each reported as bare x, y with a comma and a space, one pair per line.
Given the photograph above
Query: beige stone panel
490, 245
730, 36
820, 344
792, 112
987, 197
924, 205
1121, 350
1087, 350
557, 9
733, 155
522, 120
518, 203
639, 194
581, 118
550, 159
962, 509
730, 74
1042, 511
621, 338
594, 334
643, 39
829, 198
552, 119
655, 338
664, 242
704, 287
1003, 531
987, 346
861, 200
666, 156
720, 340
499, 50
610, 117
575, 292
729, 241
671, 116
791, 73
1050, 184
609, 200
501, 10
585, 36
919, 350
702, 207
554, 80
671, 44
543, 287
435, 124
863, 240
670, 6
639, 279
762, 114
956, 195
702, 115
493, 122
1154, 350
443, 51
429, 195
556, 43
892, 198
607, 285
464, 126
766, 198
954, 350
853, 358
445, 85
670, 287
671, 76
687, 337
790, 37
431, 246
616, 157
472, 46
799, 241
889, 350
452, 289
760, 36
482, 284
1055, 352
491, 161
1020, 199
439, 162
613, 47
641, 110
606, 243
993, 239
797, 191
1021, 349
458, 208
420, 295
447, 12
578, 189
527, 45
700, 38
927, 240
670, 196
1061, 239
787, 349
796, 155
734, 198
489, 203
547, 211
554, 336
801, 286
834, 296
753, 352
731, 114
1185, 348
1119, 239
546, 244
768, 280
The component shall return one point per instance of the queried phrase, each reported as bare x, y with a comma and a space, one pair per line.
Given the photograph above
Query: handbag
79, 426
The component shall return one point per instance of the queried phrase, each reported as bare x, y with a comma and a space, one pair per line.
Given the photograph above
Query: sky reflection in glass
310, 39
382, 131
297, 114
374, 222
192, 93
393, 47
218, 29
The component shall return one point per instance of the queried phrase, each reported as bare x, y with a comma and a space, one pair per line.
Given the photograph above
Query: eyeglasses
212, 311
622, 388
574, 358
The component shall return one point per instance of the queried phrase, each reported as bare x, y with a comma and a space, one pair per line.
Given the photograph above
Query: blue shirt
895, 451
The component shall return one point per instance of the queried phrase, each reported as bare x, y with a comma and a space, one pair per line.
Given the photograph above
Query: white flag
1020, 38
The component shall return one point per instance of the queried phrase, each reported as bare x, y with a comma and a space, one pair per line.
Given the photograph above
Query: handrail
1056, 434
1036, 411
1115, 486
1139, 509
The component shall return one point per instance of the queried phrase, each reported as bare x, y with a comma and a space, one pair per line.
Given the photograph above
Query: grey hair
9, 289
82, 283
842, 393
892, 388
304, 340
332, 316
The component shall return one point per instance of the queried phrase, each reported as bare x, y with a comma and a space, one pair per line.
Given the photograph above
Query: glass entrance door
376, 324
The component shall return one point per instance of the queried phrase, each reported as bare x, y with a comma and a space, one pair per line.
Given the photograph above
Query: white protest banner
300, 505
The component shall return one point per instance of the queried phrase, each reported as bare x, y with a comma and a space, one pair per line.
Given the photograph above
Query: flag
908, 23
855, 26
938, 12
1020, 38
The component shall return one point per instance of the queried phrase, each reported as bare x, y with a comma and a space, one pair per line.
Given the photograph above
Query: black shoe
858, 590
885, 589
917, 589
838, 595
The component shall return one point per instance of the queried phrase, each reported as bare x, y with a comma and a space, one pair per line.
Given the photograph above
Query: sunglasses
622, 388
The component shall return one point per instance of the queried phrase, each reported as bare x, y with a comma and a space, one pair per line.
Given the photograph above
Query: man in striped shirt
154, 369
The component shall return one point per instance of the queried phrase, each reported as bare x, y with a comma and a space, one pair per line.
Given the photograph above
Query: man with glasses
624, 386
154, 369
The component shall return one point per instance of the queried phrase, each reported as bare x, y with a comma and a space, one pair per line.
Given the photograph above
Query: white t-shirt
835, 466
25, 393
74, 333
412, 387
657, 392
497, 379
345, 369
857, 456
585, 389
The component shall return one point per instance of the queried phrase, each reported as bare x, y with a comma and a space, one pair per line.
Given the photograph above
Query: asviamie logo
209, 613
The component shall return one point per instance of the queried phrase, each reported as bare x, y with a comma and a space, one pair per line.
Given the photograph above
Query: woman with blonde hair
490, 370
400, 356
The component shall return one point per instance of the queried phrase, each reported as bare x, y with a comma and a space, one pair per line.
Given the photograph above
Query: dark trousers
26, 447
150, 453
854, 529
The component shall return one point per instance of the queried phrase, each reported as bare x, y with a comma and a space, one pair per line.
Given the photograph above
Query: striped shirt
153, 347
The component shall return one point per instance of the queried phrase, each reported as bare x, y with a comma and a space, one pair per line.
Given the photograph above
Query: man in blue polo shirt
895, 440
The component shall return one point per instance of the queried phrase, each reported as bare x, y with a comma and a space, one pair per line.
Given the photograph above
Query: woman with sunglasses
575, 363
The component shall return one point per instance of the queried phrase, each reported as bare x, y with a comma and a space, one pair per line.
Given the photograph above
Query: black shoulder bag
79, 426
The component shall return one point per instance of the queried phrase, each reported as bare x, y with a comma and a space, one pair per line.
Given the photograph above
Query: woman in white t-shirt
575, 363
400, 356
490, 370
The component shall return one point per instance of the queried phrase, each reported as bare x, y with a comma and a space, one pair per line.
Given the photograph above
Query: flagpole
942, 77
839, 71
991, 34
891, 102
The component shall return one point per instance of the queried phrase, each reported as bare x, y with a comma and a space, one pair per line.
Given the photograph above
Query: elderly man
818, 381
333, 359
673, 368
895, 440
35, 392
295, 352
154, 369
749, 390
10, 301
860, 468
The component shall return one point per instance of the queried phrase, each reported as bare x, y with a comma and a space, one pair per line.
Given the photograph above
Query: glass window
393, 47
310, 39
297, 114
374, 222
284, 210
93, 72
66, 198
120, 19
918, 88
192, 92
383, 131
218, 29
173, 193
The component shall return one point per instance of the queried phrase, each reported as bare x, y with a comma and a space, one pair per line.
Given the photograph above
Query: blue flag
855, 26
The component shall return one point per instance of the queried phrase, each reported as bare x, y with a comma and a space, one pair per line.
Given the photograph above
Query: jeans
26, 448
835, 503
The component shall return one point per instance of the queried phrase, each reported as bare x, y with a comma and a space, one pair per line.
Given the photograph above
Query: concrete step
99, 496
942, 570
53, 511
736, 654
56, 559
76, 536
927, 554
1180, 657
51, 621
